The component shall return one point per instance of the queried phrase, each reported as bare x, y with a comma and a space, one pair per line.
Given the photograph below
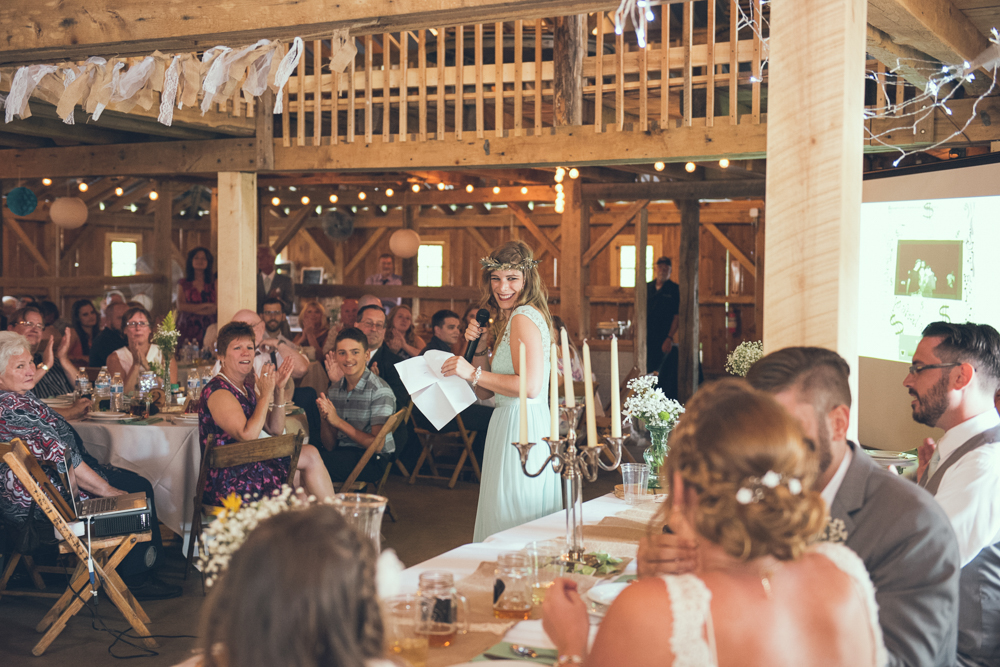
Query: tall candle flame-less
616, 401
554, 392
567, 369
522, 381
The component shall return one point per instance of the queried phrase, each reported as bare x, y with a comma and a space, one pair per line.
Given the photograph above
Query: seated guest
86, 327
55, 326
300, 591
741, 478
50, 438
445, 325
51, 379
239, 405
399, 334
196, 297
137, 356
111, 297
369, 300
315, 329
347, 319
468, 317
386, 276
111, 337
357, 407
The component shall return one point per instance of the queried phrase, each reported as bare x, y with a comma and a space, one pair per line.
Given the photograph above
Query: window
432, 258
120, 254
623, 259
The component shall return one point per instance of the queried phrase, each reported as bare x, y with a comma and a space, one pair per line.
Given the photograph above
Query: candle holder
573, 464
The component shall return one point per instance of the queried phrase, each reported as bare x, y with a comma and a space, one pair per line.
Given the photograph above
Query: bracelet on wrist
475, 377
569, 660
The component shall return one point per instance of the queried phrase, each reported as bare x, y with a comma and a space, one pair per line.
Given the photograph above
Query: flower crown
491, 264
753, 489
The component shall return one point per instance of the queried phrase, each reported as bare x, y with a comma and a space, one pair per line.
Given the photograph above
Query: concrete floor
432, 519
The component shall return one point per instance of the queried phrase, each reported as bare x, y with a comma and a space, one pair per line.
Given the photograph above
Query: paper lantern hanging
404, 243
68, 212
21, 201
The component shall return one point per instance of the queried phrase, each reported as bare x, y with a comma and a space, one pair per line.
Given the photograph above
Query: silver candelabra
573, 464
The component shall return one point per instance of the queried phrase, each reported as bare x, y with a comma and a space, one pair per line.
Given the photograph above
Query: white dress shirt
829, 491
970, 489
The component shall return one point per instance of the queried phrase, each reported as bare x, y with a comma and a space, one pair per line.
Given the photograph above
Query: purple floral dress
192, 326
257, 479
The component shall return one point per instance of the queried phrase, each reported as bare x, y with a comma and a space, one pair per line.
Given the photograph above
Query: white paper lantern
404, 243
68, 212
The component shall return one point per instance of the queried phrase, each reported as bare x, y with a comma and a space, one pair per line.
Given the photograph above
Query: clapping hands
327, 409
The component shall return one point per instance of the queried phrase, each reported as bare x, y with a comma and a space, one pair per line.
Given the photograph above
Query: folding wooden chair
352, 483
462, 438
234, 454
107, 552
398, 463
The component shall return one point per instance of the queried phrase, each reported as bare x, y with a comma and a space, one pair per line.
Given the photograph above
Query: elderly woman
237, 406
132, 360
51, 439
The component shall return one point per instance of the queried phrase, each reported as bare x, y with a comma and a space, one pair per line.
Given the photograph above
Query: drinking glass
443, 606
512, 587
364, 512
402, 617
635, 479
545, 561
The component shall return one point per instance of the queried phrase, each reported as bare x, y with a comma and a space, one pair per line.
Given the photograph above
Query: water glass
443, 607
545, 560
363, 511
403, 615
512, 587
635, 478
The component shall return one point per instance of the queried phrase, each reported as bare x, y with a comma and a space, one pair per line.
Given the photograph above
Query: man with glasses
953, 380
51, 379
111, 337
275, 346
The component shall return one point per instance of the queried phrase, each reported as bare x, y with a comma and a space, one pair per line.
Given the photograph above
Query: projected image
929, 269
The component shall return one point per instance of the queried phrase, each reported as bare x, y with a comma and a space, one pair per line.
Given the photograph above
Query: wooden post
814, 176
639, 323
163, 214
409, 270
573, 279
264, 123
237, 286
758, 287
688, 332
569, 47
213, 219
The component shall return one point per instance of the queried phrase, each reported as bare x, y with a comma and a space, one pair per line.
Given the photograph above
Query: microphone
482, 319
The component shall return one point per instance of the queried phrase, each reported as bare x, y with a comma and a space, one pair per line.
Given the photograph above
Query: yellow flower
230, 503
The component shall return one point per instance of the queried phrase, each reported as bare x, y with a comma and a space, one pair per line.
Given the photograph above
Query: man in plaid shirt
356, 409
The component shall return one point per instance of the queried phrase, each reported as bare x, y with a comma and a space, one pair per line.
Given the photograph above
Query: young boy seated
356, 409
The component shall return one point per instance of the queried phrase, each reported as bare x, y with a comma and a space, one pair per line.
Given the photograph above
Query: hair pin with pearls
753, 491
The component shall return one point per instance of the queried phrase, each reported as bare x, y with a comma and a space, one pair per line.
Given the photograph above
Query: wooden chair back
376, 447
34, 470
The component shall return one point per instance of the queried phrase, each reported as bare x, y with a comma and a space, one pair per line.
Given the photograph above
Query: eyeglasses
138, 325
373, 325
32, 325
267, 313
917, 369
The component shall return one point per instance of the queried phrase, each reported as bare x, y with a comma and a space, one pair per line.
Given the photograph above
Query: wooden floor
432, 520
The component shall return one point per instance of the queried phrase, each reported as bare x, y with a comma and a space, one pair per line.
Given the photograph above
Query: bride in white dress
760, 595
516, 297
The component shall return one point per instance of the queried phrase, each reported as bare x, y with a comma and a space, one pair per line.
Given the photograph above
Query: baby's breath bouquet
744, 356
648, 403
166, 339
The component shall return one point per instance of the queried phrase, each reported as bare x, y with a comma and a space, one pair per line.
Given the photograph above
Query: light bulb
574, 173
659, 166
304, 200
690, 167
524, 190
361, 196
724, 163
389, 192
333, 199
83, 187
559, 187
469, 188
560, 207
496, 189
275, 201
560, 176
119, 191
440, 186
46, 181
415, 187
154, 195
101, 206
649, 15
560, 172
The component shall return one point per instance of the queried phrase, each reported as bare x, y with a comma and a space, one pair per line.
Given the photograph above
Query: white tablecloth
166, 454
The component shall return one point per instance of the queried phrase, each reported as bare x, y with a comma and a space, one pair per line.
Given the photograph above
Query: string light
333, 199
559, 187
119, 191
101, 206
415, 187
560, 174
440, 186
83, 187
154, 195
574, 173
496, 189
362, 195
524, 190
389, 192
275, 201
46, 182
469, 188
305, 200
724, 163
659, 166
690, 167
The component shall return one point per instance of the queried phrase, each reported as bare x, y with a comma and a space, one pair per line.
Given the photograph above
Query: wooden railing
497, 79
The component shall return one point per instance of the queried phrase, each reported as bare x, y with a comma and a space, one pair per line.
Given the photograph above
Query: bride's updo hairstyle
752, 470
514, 255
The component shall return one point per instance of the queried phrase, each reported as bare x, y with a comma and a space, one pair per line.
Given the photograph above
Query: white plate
605, 594
891, 458
56, 402
186, 420
107, 416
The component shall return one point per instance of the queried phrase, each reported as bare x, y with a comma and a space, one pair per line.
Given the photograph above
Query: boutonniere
835, 531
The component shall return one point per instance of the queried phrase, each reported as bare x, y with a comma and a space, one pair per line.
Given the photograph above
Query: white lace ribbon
285, 69
25, 81
169, 93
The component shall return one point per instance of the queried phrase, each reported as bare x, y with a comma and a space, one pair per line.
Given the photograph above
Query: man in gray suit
903, 537
270, 283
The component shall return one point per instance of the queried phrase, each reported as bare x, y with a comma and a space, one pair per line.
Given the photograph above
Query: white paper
439, 398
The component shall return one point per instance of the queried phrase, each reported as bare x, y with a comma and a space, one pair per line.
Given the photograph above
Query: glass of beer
403, 616
545, 560
443, 607
512, 587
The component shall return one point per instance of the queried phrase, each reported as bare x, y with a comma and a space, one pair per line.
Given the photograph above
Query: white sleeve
970, 496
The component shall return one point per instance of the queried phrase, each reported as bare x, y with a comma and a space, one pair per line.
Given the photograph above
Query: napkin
502, 651
141, 422
439, 398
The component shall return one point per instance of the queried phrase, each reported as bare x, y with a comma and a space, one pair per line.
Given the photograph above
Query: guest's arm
78, 409
62, 355
300, 362
275, 424
94, 484
338, 425
522, 329
228, 413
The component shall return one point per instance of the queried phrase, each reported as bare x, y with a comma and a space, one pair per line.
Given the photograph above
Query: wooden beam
554, 237
293, 224
163, 158
882, 48
569, 47
363, 251
936, 27
478, 238
758, 285
35, 32
741, 189
688, 333
26, 241
602, 242
37, 126
640, 294
162, 218
238, 238
525, 219
326, 246
388, 291
731, 247
84, 232
573, 274
82, 282
265, 129
460, 197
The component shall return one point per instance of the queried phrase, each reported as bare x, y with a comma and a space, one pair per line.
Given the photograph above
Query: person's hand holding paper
439, 398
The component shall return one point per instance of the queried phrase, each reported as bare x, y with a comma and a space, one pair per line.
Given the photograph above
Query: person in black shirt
445, 324
110, 338
662, 305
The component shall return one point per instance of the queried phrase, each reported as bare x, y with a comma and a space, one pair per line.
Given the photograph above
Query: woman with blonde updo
764, 593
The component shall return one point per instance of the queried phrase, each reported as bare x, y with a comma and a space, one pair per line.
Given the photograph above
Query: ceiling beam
674, 191
881, 47
31, 31
433, 197
936, 27
39, 126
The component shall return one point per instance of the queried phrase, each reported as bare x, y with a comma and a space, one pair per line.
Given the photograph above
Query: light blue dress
508, 497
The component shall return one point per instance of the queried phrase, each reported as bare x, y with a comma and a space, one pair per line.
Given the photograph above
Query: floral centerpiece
649, 404
743, 357
166, 339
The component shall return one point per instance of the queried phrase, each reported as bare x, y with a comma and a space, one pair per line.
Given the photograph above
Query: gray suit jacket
909, 549
287, 291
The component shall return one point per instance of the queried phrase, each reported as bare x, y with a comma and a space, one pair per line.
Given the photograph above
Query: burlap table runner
616, 535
